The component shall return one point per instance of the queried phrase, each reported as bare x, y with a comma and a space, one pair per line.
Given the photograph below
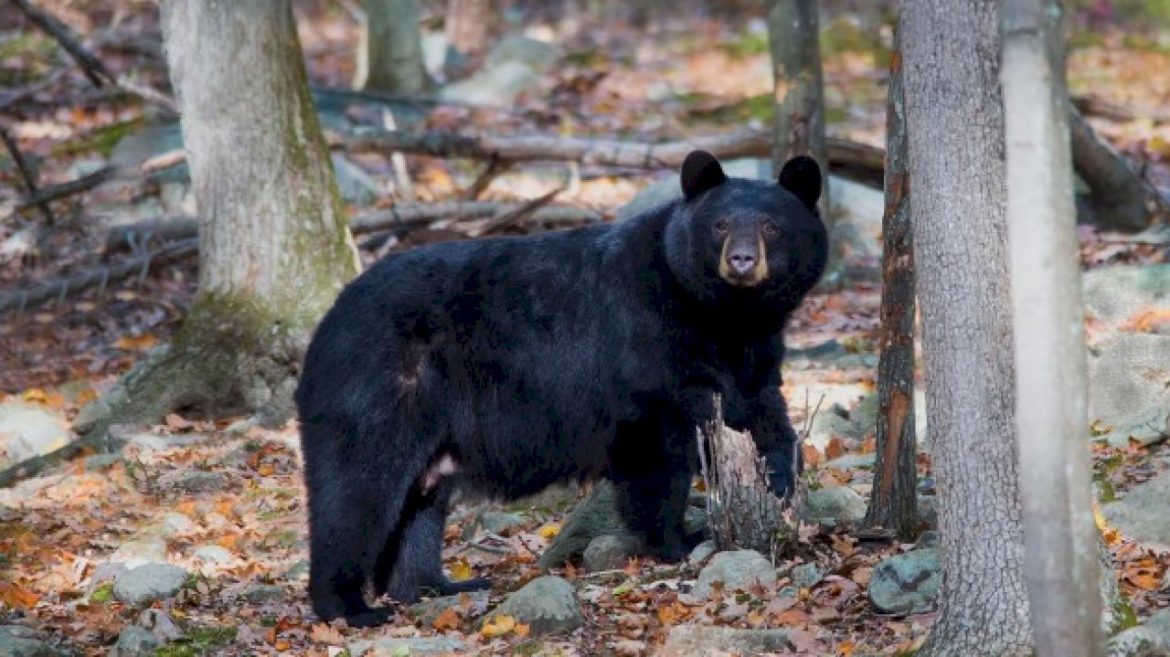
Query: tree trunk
469, 25
793, 36
273, 240
894, 502
390, 57
1061, 551
954, 122
743, 512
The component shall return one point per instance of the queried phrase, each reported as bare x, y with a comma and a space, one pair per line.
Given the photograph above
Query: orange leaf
1144, 580
448, 619
135, 342
835, 448
16, 597
460, 570
522, 629
498, 625
812, 456
549, 530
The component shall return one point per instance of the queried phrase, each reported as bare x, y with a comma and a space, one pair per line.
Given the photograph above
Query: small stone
806, 575
691, 640
135, 641
213, 554
907, 583
424, 613
1141, 514
160, 624
145, 584
20, 641
701, 553
546, 604
737, 570
28, 430
609, 552
833, 505
259, 593
140, 551
402, 647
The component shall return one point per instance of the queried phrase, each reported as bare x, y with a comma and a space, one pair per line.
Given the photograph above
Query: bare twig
494, 168
101, 176
511, 216
1094, 106
26, 172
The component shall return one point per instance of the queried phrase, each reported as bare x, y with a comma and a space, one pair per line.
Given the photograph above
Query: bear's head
744, 241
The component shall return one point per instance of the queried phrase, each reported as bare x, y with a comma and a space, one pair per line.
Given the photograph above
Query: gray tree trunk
273, 242
390, 57
954, 118
793, 37
894, 501
1061, 541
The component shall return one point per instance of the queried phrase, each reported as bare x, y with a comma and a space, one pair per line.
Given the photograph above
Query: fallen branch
100, 177
401, 218
1099, 107
63, 286
26, 172
850, 156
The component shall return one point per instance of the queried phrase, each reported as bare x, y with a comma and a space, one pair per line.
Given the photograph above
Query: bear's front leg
776, 439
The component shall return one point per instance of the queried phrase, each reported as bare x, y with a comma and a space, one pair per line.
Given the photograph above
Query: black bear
500, 366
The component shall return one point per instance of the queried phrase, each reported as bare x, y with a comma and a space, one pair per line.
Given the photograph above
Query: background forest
158, 281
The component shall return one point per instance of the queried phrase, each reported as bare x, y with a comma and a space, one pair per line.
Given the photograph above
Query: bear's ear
700, 172
802, 177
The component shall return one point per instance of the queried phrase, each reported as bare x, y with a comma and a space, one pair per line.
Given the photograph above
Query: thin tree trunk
1061, 551
273, 240
894, 503
954, 121
390, 57
793, 36
469, 25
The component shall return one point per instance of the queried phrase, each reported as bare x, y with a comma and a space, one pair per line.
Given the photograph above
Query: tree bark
390, 57
469, 25
1061, 551
954, 121
273, 240
894, 502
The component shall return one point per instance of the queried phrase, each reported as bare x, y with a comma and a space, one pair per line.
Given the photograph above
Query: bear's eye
722, 227
770, 229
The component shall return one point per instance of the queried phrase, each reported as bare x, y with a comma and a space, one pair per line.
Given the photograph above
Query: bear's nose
742, 262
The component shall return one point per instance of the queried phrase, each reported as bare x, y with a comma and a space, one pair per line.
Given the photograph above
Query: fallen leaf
448, 619
549, 530
498, 625
460, 570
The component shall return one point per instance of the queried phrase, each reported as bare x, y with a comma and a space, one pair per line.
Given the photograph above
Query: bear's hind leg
652, 484
417, 568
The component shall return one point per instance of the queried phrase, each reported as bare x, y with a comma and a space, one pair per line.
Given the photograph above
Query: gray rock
830, 423
20, 641
806, 575
695, 520
1128, 375
98, 462
907, 583
194, 481
1146, 429
834, 505
853, 461
1141, 514
701, 553
498, 85
496, 522
737, 570
861, 206
259, 593
608, 552
106, 571
596, 515
1150, 639
135, 641
1114, 294
929, 539
355, 185
29, 430
146, 143
213, 554
298, 570
424, 613
547, 604
398, 647
864, 415
173, 523
538, 55
160, 624
145, 584
692, 640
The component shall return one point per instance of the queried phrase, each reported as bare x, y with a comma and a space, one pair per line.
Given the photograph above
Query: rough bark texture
744, 514
1060, 559
390, 57
955, 127
1120, 199
469, 26
273, 240
894, 502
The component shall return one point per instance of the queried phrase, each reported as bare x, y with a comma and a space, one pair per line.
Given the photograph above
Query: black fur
532, 360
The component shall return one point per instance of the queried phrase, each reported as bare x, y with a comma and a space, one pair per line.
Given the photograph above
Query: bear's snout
743, 262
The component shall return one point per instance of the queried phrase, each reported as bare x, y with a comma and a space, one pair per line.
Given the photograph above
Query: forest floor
223, 500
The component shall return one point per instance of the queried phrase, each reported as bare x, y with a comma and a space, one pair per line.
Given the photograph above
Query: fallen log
1099, 107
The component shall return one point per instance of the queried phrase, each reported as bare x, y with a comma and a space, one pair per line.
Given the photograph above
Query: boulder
907, 583
736, 570
546, 604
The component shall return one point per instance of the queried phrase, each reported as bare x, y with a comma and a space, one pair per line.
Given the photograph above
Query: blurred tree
470, 25
894, 502
390, 56
273, 242
954, 123
1061, 541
